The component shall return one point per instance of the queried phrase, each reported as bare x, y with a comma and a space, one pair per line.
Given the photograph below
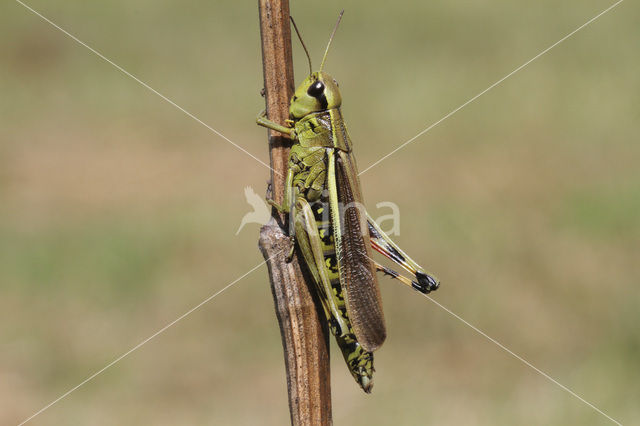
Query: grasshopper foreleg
263, 121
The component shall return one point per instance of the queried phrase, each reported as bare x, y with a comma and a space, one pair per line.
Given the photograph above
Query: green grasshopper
330, 225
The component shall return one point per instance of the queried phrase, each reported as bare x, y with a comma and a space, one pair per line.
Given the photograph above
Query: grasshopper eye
316, 89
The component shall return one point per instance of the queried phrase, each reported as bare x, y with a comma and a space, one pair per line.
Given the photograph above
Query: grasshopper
329, 225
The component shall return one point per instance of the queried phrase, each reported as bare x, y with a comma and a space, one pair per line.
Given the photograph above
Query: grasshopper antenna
303, 45
331, 39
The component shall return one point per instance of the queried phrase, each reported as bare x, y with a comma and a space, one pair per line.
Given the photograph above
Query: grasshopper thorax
318, 92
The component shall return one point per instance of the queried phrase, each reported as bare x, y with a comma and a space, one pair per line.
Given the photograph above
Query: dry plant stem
305, 337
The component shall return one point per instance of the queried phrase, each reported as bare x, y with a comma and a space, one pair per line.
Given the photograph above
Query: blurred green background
118, 213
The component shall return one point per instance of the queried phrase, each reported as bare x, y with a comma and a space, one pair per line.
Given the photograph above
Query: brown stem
305, 337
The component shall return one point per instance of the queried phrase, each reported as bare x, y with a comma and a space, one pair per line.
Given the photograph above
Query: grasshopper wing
357, 272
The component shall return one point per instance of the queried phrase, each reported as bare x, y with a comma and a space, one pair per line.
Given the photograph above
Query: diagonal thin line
524, 361
127, 73
493, 85
518, 357
142, 343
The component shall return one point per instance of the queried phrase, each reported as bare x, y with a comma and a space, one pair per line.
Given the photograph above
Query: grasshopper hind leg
425, 282
416, 285
359, 361
308, 240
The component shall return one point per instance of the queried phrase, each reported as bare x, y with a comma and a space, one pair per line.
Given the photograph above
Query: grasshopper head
318, 92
